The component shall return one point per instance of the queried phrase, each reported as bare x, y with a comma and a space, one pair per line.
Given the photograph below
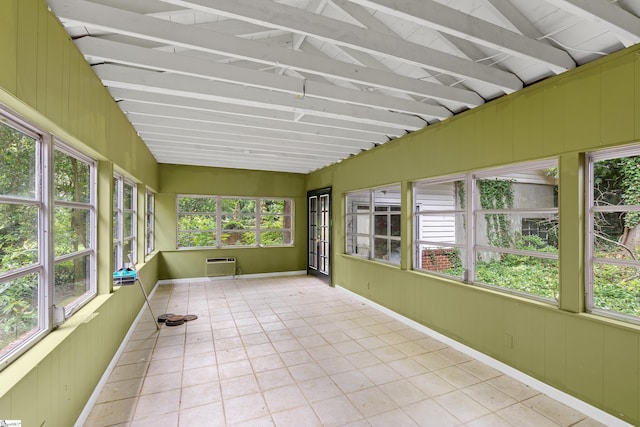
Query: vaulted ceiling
295, 85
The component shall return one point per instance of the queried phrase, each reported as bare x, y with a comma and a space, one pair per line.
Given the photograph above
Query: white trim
237, 276
554, 393
88, 407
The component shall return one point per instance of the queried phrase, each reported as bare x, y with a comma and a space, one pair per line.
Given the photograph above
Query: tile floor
292, 351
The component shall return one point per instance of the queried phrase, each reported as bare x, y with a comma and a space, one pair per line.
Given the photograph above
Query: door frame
316, 271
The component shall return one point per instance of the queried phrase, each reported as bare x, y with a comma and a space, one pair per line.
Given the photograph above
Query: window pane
129, 224
188, 239
529, 231
442, 228
238, 221
129, 196
380, 225
395, 225
18, 311
442, 259
272, 221
71, 280
71, 178
616, 288
381, 249
238, 238
196, 222
196, 204
18, 164
128, 252
527, 188
239, 206
72, 232
531, 275
268, 238
358, 202
272, 206
613, 239
18, 236
442, 196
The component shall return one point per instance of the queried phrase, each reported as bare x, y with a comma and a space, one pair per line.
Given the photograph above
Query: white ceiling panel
296, 85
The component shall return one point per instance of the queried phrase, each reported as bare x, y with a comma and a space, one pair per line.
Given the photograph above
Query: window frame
590, 210
91, 207
218, 216
351, 248
119, 214
472, 211
150, 222
44, 201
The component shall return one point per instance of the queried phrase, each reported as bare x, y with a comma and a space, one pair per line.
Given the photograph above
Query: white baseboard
567, 399
237, 276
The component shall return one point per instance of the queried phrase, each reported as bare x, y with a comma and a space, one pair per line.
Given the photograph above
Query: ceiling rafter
155, 115
344, 34
174, 84
120, 21
163, 61
447, 20
618, 20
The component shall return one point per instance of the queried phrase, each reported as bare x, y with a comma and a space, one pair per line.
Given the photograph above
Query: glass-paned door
319, 233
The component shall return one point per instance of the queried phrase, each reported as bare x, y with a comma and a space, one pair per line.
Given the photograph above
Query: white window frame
121, 259
371, 214
591, 209
472, 212
49, 316
91, 207
219, 214
150, 222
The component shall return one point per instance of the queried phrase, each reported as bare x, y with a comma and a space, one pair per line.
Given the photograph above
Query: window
149, 223
47, 234
216, 221
124, 222
74, 231
613, 233
502, 233
374, 233
440, 224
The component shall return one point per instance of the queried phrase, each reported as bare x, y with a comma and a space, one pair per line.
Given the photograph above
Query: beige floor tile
157, 404
210, 415
337, 411
319, 389
335, 365
200, 375
111, 413
427, 413
267, 363
162, 382
462, 406
198, 395
459, 378
489, 396
523, 416
164, 419
283, 398
431, 384
245, 408
239, 386
292, 351
274, 378
402, 392
297, 417
306, 371
391, 418
371, 401
554, 410
351, 381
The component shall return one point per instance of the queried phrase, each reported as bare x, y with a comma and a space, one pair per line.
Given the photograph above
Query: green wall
595, 106
47, 82
174, 180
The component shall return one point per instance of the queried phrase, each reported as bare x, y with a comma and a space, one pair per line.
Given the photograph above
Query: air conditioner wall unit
214, 267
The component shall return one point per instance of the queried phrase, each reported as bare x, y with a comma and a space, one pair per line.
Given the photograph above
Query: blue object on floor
125, 276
